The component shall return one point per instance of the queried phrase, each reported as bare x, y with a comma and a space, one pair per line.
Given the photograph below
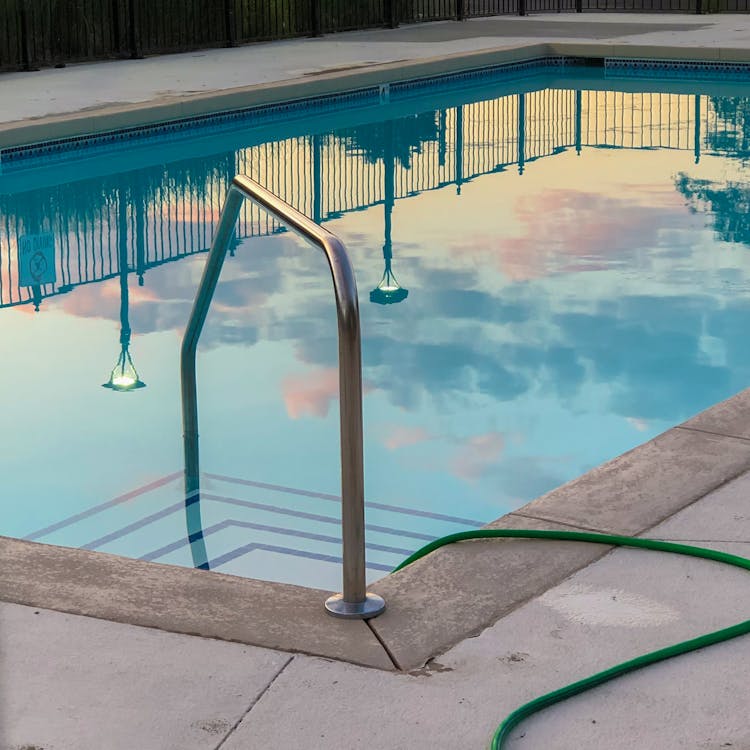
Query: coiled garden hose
543, 701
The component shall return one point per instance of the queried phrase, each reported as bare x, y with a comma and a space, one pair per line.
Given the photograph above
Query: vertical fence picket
26, 48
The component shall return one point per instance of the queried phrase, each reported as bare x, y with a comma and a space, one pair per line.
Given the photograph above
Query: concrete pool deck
544, 613
85, 98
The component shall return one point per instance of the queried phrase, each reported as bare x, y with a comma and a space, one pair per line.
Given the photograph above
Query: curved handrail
355, 601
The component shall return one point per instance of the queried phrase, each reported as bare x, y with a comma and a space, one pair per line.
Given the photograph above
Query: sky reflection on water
554, 319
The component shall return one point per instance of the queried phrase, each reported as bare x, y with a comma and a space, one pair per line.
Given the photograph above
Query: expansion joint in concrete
574, 527
713, 432
699, 542
371, 624
254, 703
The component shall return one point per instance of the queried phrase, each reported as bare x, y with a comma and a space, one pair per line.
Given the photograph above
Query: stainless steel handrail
355, 601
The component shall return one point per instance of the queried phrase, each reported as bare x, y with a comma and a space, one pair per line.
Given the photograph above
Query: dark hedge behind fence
35, 33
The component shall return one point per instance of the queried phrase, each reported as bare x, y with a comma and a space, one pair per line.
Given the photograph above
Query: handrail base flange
372, 606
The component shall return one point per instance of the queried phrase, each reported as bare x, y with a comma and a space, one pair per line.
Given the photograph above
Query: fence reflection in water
171, 210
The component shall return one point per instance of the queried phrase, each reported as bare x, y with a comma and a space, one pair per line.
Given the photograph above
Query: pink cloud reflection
400, 437
562, 230
310, 394
477, 455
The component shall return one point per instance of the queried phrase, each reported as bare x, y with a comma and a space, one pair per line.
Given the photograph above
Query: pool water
551, 271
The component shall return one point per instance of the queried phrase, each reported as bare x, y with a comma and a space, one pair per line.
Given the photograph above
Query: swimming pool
535, 300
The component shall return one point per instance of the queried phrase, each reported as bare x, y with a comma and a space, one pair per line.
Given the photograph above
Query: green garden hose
543, 701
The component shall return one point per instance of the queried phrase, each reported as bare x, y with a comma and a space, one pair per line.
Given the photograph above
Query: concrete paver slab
182, 600
723, 515
585, 27
646, 485
730, 417
75, 88
460, 589
164, 97
626, 604
73, 683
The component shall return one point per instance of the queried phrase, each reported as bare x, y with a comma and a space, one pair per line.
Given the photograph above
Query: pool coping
460, 590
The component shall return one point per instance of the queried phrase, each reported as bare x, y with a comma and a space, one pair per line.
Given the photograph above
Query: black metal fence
36, 33
53, 32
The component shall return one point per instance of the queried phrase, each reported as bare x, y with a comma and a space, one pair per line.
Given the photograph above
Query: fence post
697, 143
134, 32
26, 55
459, 148
521, 132
315, 18
116, 28
442, 137
391, 13
460, 10
56, 24
229, 22
317, 187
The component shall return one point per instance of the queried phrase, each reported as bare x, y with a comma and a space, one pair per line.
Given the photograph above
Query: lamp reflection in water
388, 291
124, 376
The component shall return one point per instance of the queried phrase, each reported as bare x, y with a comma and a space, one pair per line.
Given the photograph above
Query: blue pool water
573, 259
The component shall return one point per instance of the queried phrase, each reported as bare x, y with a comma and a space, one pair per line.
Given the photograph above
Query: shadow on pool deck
528, 27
